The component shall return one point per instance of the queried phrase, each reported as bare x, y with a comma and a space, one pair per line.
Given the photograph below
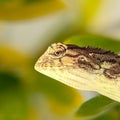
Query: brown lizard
84, 68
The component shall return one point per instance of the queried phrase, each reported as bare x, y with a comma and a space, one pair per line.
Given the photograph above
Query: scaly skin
83, 68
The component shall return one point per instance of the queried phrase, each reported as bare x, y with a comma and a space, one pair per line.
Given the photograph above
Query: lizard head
57, 55
51, 57
62, 62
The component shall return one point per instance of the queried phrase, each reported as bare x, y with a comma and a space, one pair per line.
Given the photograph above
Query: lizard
83, 68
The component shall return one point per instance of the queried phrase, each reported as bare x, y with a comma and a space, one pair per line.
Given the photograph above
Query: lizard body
83, 68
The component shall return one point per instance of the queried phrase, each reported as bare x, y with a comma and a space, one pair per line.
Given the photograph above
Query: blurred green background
27, 27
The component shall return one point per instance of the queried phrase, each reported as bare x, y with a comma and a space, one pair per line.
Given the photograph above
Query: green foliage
95, 41
111, 115
32, 1
96, 106
13, 101
56, 90
3, 1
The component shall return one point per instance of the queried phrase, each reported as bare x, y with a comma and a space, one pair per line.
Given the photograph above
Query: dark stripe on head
91, 49
70, 46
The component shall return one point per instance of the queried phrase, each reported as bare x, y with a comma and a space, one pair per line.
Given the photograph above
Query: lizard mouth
40, 65
69, 74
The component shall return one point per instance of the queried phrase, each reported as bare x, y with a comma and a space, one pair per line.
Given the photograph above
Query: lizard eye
57, 53
57, 50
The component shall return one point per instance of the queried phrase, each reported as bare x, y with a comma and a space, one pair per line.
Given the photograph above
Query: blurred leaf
96, 106
18, 63
89, 9
112, 115
62, 98
95, 41
25, 9
8, 81
13, 105
3, 1
32, 1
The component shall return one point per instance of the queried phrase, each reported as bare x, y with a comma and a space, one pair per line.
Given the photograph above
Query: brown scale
95, 57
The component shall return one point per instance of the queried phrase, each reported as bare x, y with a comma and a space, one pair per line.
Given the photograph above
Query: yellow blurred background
27, 27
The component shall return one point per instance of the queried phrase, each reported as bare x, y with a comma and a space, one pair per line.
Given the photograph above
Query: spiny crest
92, 50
